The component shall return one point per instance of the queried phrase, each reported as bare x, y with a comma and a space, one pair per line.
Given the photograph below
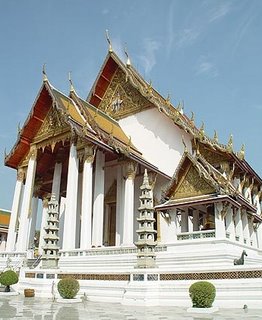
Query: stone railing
105, 251
196, 235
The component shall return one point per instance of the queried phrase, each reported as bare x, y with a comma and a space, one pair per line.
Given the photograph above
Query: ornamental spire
110, 49
215, 139
128, 62
72, 89
241, 153
44, 73
230, 143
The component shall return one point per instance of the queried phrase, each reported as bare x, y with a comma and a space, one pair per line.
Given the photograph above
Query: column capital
130, 170
73, 138
20, 174
89, 153
33, 152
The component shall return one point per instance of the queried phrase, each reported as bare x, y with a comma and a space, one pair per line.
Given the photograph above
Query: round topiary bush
7, 278
202, 294
68, 288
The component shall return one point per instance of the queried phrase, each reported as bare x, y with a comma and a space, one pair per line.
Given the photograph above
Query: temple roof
104, 89
72, 113
196, 181
4, 218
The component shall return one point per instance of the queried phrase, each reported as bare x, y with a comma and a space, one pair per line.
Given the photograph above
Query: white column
98, 209
11, 238
43, 225
196, 220
245, 227
252, 232
119, 206
86, 210
26, 204
184, 221
259, 236
230, 226
128, 221
69, 236
57, 180
32, 223
239, 226
62, 209
219, 221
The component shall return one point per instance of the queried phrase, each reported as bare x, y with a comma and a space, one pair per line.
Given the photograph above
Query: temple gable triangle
54, 124
191, 185
121, 98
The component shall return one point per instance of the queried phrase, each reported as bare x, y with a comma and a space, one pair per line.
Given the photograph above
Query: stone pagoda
146, 234
50, 249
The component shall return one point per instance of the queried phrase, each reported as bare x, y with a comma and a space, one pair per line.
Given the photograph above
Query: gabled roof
154, 99
197, 181
80, 116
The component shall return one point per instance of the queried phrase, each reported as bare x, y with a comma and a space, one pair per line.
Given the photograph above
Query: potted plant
8, 278
202, 294
68, 288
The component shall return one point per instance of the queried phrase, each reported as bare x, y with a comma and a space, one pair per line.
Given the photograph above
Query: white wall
157, 137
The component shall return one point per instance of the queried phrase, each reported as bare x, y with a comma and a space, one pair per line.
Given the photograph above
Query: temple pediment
121, 98
191, 185
53, 125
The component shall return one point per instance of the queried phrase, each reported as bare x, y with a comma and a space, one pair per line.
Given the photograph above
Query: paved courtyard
19, 307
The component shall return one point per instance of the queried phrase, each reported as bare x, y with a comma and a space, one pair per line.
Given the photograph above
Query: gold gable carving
192, 185
54, 124
121, 99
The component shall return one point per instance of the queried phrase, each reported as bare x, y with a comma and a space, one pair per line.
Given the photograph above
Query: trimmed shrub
7, 278
202, 294
68, 288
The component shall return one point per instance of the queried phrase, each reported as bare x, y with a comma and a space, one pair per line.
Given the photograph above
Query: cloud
187, 37
205, 67
148, 57
219, 11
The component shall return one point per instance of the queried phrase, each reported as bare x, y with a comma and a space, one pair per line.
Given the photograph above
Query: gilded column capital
130, 170
73, 138
20, 174
33, 152
89, 154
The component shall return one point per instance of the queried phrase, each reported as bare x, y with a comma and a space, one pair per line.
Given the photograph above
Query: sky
204, 53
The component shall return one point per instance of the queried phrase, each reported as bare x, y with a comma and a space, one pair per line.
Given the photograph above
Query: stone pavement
19, 307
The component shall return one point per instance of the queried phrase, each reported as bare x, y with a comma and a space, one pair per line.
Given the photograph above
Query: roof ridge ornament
45, 79
192, 119
184, 144
241, 153
110, 48
202, 130
215, 138
230, 143
128, 62
72, 89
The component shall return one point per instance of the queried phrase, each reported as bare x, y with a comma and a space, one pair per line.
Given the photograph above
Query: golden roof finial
230, 143
44, 73
181, 107
192, 117
241, 153
168, 99
128, 62
202, 129
215, 138
110, 49
72, 89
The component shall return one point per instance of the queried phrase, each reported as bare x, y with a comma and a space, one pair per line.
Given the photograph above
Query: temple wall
157, 137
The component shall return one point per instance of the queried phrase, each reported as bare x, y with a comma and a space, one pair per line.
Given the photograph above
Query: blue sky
205, 53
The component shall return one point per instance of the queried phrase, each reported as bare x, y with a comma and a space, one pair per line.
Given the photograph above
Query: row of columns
24, 205
229, 223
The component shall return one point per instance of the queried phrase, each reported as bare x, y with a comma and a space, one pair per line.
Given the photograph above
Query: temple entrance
110, 216
112, 225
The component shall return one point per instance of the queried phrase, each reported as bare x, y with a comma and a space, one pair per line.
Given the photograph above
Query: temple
131, 197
